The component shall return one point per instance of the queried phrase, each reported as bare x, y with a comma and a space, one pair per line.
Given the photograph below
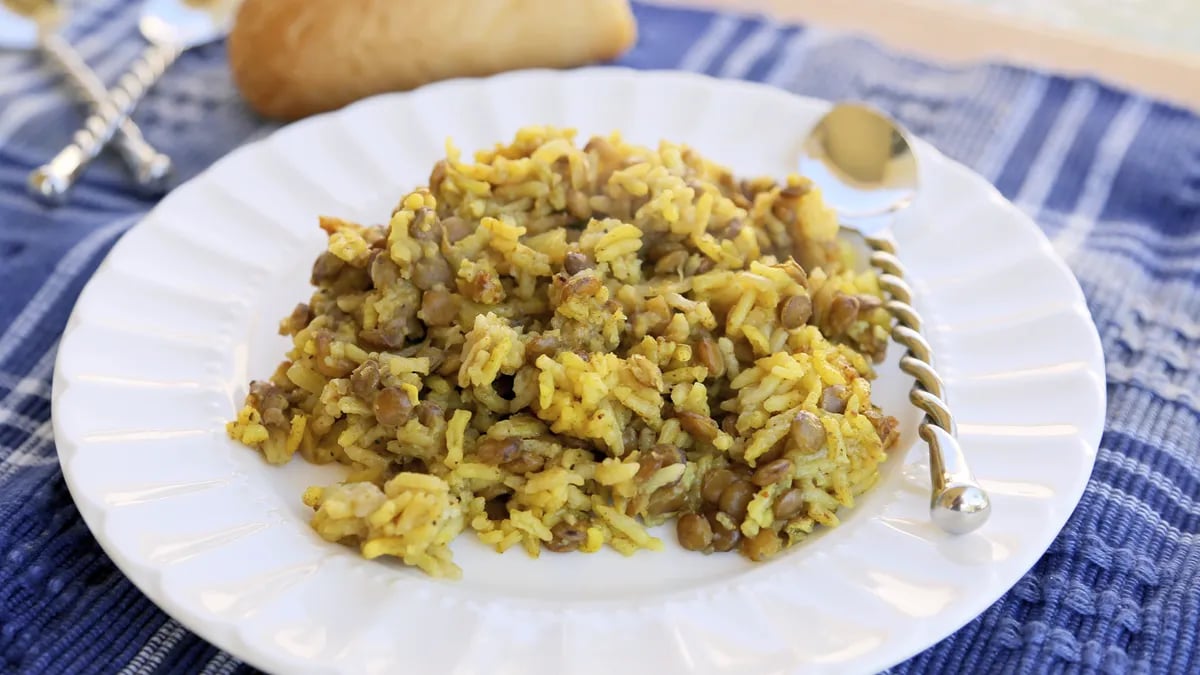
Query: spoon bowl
862, 160
864, 164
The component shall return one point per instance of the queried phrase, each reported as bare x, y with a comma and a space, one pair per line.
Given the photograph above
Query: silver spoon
865, 167
31, 24
171, 27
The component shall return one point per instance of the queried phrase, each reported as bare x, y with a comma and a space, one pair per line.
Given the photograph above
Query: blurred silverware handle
958, 504
150, 167
51, 182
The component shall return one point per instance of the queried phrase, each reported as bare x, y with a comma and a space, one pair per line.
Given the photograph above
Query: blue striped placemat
1113, 178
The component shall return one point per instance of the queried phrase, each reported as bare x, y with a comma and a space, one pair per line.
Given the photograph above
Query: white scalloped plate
183, 313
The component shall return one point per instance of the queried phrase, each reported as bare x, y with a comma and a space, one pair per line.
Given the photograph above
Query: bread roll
292, 58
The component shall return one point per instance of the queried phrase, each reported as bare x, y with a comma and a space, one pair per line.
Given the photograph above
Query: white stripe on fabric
1139, 230
704, 50
22, 82
750, 51
1172, 319
156, 648
108, 36
221, 664
1154, 477
41, 370
1177, 436
69, 267
1130, 504
1157, 382
36, 450
1143, 252
18, 421
791, 58
1114, 278
26, 384
1102, 173
1050, 156
18, 111
1159, 342
1000, 150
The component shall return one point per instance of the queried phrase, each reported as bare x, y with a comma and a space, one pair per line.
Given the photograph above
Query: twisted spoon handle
150, 168
52, 181
958, 504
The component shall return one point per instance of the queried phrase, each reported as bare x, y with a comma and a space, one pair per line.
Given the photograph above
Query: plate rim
229, 640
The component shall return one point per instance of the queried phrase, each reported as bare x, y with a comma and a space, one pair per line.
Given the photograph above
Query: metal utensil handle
150, 167
958, 504
52, 181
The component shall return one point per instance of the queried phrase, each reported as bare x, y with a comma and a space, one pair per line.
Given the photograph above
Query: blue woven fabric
1114, 180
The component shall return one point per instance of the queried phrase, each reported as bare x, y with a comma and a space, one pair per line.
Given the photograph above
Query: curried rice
557, 347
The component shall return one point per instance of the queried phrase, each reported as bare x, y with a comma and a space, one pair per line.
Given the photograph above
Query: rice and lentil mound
556, 347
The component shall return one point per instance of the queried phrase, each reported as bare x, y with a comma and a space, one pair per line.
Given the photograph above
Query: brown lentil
789, 504
761, 546
576, 262
885, 426
807, 432
843, 311
694, 532
735, 499
326, 269
455, 229
392, 333
724, 538
325, 363
392, 407
438, 308
365, 379
431, 271
769, 474
297, 320
710, 357
526, 462
566, 538
425, 227
541, 345
382, 270
656, 458
794, 311
668, 499
714, 483
497, 451
833, 398
700, 427
429, 413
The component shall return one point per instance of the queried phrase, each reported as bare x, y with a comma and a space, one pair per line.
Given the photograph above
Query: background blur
1151, 46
